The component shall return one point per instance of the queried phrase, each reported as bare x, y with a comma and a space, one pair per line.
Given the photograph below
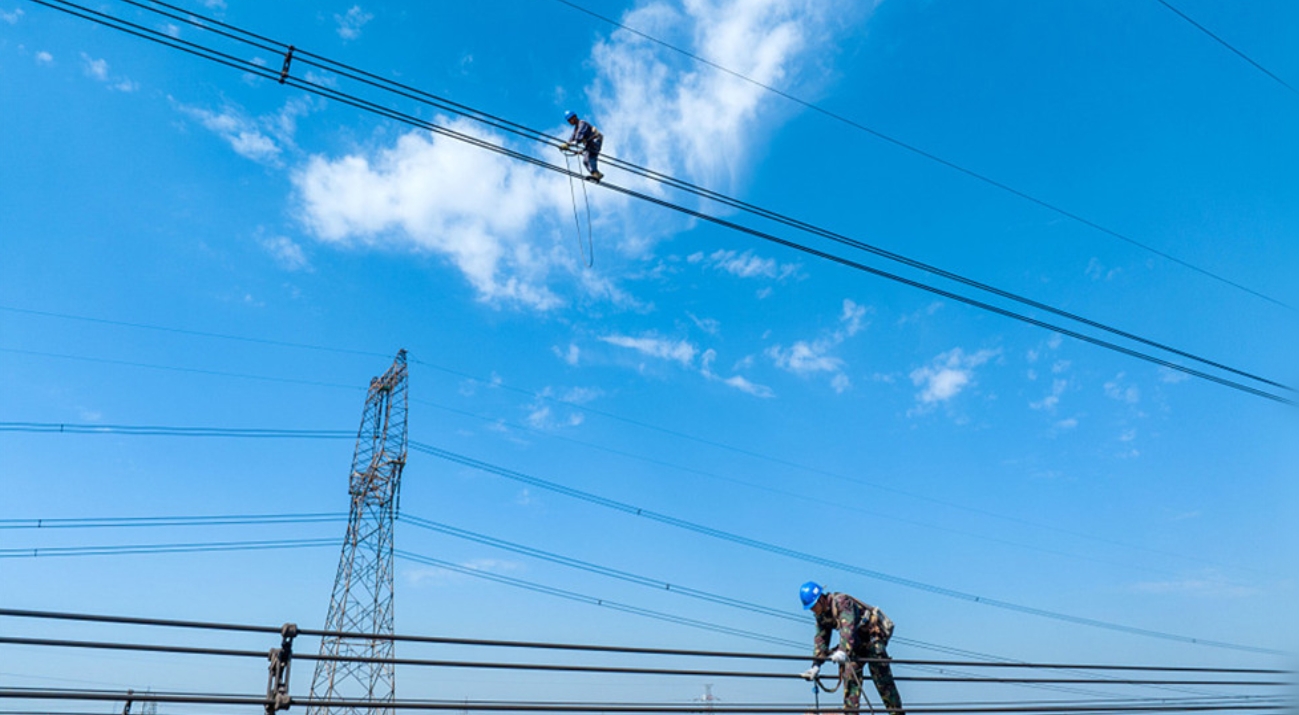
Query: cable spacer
288, 60
281, 662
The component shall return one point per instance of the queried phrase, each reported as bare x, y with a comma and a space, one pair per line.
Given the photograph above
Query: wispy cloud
264, 139
1209, 584
98, 70
1098, 272
286, 252
1121, 390
680, 351
570, 355
11, 17
1052, 400
946, 376
810, 357
44, 58
739, 382
351, 22
744, 265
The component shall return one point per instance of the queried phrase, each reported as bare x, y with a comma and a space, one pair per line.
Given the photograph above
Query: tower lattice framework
362, 597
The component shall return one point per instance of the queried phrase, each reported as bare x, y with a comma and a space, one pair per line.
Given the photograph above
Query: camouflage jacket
858, 624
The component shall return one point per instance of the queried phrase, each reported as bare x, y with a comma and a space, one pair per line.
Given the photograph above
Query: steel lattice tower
362, 598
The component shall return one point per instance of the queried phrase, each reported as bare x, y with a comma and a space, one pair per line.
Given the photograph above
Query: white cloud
809, 357
44, 58
11, 16
1051, 400
1116, 390
1209, 584
708, 325
1172, 377
805, 357
1067, 424
681, 351
240, 132
738, 382
570, 355
351, 22
286, 252
681, 116
947, 375
98, 69
507, 226
95, 69
436, 195
1098, 272
215, 4
746, 264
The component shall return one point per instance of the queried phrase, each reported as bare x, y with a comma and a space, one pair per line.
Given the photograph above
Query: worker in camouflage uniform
864, 633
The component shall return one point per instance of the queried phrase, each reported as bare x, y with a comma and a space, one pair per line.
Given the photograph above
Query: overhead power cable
520, 130
799, 495
325, 91
1234, 50
171, 368
504, 706
745, 606
813, 559
168, 521
497, 384
191, 548
916, 150
602, 669
637, 511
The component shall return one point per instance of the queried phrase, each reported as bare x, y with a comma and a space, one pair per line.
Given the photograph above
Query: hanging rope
587, 252
838, 683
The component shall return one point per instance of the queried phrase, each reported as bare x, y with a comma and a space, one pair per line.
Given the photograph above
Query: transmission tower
362, 598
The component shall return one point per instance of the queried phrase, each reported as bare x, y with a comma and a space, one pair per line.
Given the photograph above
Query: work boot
596, 176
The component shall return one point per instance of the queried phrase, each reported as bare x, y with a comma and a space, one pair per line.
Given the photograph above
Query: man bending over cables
864, 633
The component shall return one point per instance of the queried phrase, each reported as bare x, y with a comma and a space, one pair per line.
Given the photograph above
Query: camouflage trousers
881, 675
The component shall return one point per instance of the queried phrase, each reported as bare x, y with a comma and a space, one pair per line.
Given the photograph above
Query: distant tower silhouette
362, 598
708, 698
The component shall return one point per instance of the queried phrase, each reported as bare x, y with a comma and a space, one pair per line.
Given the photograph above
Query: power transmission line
584, 668
192, 548
496, 384
1173, 9
506, 706
365, 105
764, 546
234, 432
548, 556
810, 558
914, 149
99, 522
172, 368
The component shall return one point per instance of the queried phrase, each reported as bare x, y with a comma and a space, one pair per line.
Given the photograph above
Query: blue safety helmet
809, 593
570, 115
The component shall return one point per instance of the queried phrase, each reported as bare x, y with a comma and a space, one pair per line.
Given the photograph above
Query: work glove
839, 657
563, 147
811, 673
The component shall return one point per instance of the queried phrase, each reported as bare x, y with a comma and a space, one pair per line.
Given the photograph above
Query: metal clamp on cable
288, 60
281, 661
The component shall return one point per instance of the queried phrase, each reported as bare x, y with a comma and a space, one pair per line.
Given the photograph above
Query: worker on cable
864, 633
585, 139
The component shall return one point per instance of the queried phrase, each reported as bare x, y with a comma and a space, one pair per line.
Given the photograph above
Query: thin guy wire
810, 558
1224, 43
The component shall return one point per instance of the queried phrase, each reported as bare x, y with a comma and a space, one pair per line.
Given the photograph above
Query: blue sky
968, 451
